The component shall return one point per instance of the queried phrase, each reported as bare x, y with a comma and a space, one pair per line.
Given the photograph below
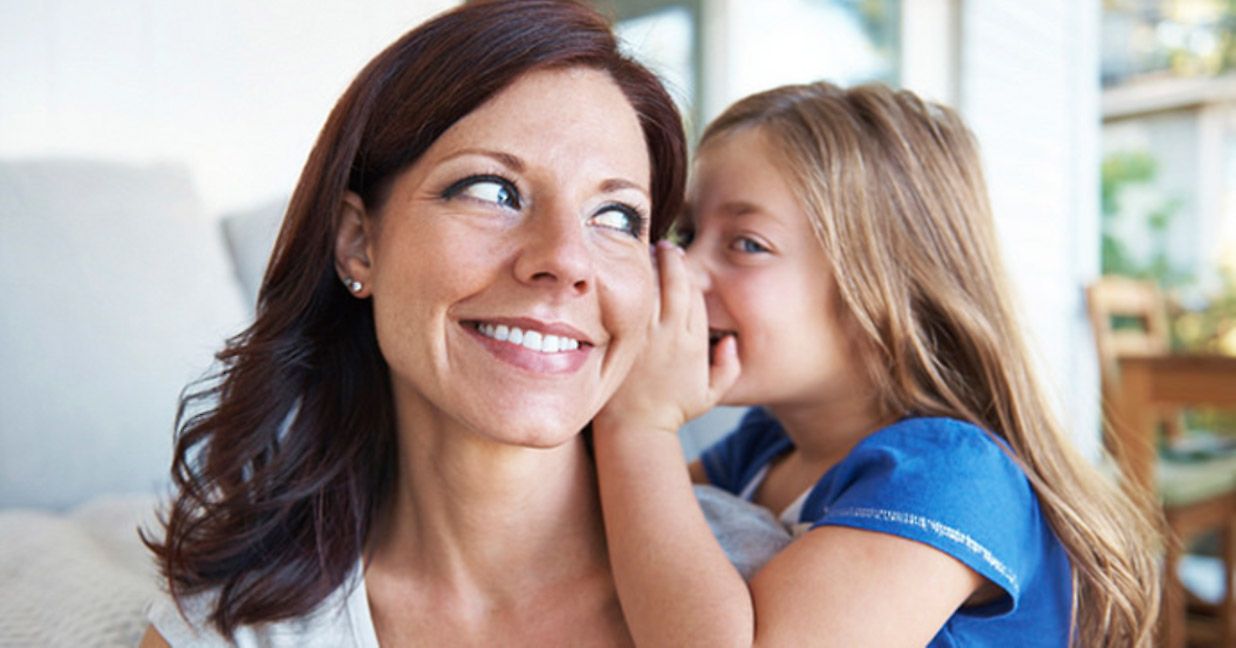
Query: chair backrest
1129, 318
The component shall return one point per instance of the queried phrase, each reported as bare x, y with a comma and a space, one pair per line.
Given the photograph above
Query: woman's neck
491, 544
489, 522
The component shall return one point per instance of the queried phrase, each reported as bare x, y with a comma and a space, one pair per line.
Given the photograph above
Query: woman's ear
353, 246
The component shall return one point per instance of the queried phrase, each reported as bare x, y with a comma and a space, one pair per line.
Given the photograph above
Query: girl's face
509, 266
767, 280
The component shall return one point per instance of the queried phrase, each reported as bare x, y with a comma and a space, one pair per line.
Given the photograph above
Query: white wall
1025, 77
1028, 84
214, 106
235, 89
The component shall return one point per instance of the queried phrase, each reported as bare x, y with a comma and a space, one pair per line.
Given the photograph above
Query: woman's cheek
628, 301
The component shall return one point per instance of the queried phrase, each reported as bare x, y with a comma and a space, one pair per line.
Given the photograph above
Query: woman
392, 451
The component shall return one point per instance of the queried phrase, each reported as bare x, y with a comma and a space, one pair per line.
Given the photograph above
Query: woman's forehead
577, 115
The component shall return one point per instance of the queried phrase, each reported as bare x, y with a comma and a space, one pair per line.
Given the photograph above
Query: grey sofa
117, 291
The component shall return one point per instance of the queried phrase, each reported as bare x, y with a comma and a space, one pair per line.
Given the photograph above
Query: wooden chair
1145, 386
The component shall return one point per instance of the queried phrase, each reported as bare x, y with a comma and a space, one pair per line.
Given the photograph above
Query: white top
342, 620
789, 517
749, 534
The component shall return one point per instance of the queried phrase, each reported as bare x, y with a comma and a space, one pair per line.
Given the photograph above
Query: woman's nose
555, 253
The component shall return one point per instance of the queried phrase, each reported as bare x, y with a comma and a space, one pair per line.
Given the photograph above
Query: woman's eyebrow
617, 184
514, 163
507, 160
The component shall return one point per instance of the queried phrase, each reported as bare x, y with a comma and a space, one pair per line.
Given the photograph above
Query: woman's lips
534, 347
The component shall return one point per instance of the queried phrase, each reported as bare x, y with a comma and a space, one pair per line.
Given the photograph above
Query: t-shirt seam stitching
935, 527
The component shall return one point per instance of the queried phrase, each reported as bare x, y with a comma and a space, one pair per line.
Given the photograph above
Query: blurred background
1108, 131
148, 148
217, 105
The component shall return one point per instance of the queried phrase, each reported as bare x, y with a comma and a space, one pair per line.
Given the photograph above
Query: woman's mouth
544, 349
528, 338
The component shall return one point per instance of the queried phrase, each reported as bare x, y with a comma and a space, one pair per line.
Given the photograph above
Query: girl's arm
840, 586
675, 583
834, 586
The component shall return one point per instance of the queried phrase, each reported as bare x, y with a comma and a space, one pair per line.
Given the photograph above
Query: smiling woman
392, 451
497, 225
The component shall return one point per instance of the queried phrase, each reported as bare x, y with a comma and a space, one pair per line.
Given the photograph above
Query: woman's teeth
534, 340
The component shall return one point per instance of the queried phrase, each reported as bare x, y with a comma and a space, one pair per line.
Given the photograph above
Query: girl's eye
748, 245
486, 188
683, 236
623, 218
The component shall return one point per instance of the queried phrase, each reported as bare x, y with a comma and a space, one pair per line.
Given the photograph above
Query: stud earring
352, 284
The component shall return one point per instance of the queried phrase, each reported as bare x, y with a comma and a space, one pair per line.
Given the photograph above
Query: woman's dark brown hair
284, 457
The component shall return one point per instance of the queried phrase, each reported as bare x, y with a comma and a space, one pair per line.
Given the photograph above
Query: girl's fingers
675, 283
696, 324
725, 368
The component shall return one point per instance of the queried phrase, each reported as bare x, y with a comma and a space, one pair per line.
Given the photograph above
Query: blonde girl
841, 272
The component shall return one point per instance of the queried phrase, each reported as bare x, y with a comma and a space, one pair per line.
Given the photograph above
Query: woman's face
509, 266
767, 280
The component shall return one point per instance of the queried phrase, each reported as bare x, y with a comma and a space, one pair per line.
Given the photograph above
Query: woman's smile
509, 271
537, 347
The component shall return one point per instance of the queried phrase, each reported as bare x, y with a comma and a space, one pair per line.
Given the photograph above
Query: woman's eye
748, 245
620, 217
487, 188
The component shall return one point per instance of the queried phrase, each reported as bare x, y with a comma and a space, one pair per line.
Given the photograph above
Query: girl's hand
673, 381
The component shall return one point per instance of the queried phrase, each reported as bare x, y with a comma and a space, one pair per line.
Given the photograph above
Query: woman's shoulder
342, 619
749, 533
185, 620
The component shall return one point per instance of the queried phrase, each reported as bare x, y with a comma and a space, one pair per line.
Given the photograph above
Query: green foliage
1119, 171
1209, 324
1210, 328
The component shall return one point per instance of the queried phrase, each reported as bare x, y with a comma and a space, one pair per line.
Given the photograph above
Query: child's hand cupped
673, 381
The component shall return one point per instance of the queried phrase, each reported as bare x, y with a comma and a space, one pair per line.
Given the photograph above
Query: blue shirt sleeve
733, 461
945, 483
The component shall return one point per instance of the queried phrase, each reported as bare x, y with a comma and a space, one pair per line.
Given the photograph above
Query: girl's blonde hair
896, 195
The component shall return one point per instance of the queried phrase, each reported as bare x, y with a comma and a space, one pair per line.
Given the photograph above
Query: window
712, 52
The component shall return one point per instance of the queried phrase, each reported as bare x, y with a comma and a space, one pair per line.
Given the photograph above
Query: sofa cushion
117, 292
250, 235
77, 579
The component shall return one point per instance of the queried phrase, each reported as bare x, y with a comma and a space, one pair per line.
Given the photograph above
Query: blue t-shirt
942, 482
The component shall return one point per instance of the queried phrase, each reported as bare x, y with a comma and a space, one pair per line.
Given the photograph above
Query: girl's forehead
736, 181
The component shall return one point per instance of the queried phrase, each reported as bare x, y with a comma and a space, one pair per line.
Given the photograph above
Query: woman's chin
543, 430
537, 438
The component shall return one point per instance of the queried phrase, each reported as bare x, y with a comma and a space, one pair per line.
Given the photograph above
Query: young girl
841, 271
